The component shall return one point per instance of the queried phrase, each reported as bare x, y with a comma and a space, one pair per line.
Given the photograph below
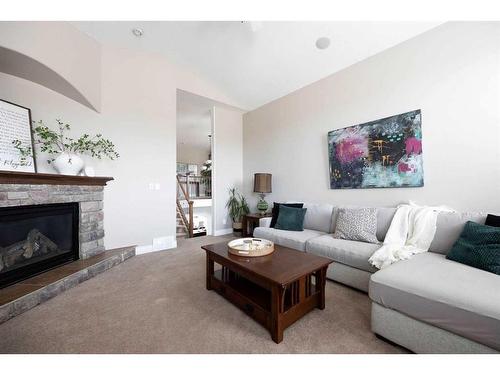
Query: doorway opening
194, 201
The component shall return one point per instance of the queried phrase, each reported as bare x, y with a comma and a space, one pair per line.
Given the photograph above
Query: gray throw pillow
357, 224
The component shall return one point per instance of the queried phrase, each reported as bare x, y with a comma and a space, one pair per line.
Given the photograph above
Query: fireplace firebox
36, 238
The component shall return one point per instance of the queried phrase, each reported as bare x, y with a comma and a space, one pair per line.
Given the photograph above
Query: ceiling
257, 62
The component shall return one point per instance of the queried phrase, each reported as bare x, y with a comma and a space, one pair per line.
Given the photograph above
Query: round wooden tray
250, 247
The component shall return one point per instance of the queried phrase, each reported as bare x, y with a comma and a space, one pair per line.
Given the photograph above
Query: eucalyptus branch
56, 142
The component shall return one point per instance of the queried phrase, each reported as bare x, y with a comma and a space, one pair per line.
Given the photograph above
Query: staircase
184, 220
182, 226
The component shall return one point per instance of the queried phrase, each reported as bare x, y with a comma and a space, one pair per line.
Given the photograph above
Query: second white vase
68, 163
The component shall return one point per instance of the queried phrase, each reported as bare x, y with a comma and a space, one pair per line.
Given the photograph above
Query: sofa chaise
428, 304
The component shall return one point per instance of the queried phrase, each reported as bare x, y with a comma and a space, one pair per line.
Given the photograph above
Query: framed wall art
385, 153
15, 124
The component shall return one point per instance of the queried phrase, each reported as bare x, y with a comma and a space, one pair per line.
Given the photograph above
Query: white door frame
214, 173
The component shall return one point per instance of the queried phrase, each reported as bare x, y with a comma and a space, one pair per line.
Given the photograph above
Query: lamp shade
262, 183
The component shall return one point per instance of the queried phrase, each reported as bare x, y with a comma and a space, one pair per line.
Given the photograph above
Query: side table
250, 222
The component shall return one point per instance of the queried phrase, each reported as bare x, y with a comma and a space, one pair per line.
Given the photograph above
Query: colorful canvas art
378, 154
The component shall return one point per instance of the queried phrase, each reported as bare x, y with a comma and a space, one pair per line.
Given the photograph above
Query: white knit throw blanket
411, 232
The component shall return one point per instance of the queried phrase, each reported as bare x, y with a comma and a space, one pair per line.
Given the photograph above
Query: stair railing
188, 222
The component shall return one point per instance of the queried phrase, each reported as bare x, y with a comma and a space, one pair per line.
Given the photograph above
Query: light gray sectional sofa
428, 304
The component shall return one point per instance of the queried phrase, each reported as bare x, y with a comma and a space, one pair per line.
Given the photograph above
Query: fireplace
36, 238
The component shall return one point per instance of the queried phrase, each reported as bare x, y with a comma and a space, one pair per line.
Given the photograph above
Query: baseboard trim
168, 242
222, 232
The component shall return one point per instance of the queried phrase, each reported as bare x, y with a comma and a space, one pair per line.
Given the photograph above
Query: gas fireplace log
35, 244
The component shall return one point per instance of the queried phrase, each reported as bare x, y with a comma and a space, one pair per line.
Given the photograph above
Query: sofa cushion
294, 240
318, 217
384, 220
449, 225
478, 246
443, 293
351, 253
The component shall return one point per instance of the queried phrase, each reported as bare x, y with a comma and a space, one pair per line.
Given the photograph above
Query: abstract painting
378, 154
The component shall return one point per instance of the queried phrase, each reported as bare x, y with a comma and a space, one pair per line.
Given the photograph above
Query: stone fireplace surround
90, 199
21, 189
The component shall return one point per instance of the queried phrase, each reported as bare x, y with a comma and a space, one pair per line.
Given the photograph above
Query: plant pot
237, 227
68, 163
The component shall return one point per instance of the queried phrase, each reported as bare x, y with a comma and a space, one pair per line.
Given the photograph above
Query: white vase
68, 163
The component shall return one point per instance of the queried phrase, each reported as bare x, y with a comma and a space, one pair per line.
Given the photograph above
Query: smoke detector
323, 43
254, 25
137, 32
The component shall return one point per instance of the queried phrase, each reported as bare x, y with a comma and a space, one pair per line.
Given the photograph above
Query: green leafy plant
237, 205
206, 172
245, 210
56, 142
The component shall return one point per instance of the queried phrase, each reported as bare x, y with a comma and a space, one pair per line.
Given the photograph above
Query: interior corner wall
138, 113
228, 163
451, 73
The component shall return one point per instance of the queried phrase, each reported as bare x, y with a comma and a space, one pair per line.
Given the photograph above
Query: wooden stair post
187, 221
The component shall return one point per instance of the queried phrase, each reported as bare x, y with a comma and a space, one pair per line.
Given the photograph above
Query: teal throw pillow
291, 218
478, 246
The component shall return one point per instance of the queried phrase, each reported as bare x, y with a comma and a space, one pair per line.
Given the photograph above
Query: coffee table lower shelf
274, 306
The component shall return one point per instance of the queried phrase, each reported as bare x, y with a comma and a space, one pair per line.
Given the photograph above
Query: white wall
59, 47
138, 113
228, 163
451, 73
192, 154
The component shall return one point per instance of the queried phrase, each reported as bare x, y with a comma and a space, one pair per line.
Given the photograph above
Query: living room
344, 199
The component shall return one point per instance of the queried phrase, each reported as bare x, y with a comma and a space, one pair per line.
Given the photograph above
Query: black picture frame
31, 134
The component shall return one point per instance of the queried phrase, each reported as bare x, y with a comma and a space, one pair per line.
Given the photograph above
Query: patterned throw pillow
357, 224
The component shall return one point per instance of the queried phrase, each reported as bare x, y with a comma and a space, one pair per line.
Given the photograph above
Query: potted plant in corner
237, 207
64, 151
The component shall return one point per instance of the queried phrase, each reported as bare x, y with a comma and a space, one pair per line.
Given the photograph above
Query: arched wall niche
22, 66
55, 55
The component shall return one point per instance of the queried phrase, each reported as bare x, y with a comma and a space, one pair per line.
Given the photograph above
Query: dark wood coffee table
276, 290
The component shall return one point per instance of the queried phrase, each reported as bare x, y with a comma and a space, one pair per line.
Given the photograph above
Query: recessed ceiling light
323, 42
137, 32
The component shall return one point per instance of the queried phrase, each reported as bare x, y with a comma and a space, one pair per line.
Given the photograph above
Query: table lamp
262, 185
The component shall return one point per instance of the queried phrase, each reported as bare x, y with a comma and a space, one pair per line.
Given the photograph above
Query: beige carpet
157, 303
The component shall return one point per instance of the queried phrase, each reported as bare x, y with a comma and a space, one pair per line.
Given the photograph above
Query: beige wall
452, 73
192, 154
138, 113
228, 162
56, 55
